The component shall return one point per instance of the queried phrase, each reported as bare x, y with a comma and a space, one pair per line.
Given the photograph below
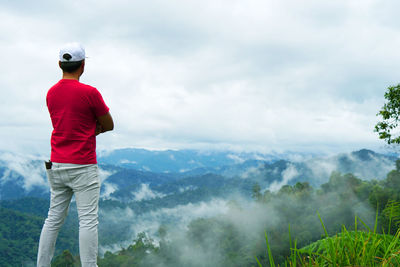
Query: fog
247, 221
287, 175
30, 169
145, 193
196, 232
150, 222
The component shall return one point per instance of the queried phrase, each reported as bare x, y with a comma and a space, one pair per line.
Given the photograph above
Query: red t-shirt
73, 108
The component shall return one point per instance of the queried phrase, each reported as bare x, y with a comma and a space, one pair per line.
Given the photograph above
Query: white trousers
66, 180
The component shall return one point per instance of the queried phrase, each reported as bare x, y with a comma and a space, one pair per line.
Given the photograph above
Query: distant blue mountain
177, 161
139, 186
22, 177
365, 164
137, 174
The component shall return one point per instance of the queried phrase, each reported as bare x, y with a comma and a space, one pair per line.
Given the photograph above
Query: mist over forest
192, 208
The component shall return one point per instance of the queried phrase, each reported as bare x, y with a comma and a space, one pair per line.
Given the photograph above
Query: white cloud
109, 188
149, 222
251, 172
236, 158
184, 74
103, 174
187, 188
126, 161
145, 193
288, 174
25, 166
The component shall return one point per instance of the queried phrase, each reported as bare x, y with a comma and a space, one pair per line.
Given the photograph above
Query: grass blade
271, 259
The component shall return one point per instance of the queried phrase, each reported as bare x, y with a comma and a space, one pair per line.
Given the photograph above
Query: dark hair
70, 66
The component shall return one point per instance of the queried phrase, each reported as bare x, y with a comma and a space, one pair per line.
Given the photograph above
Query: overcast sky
249, 75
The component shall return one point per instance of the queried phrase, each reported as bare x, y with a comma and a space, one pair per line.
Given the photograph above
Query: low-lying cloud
145, 193
25, 167
149, 222
287, 175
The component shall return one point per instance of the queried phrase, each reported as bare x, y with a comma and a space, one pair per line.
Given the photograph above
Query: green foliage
271, 259
257, 192
337, 201
66, 259
218, 241
19, 236
21, 222
347, 248
134, 255
217, 236
358, 247
389, 114
391, 215
238, 237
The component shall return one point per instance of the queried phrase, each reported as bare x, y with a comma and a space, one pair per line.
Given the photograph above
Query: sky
255, 75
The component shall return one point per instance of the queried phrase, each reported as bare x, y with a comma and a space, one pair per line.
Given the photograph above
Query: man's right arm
106, 122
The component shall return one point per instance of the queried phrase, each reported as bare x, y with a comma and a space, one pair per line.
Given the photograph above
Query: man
78, 113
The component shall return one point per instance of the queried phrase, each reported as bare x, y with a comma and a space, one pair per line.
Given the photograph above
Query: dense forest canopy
236, 237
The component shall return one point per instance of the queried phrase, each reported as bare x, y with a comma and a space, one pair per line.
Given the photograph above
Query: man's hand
99, 128
104, 123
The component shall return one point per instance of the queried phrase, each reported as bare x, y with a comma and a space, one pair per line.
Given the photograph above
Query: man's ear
59, 64
83, 66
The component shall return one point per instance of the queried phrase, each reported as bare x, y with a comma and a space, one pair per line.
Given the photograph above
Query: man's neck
71, 76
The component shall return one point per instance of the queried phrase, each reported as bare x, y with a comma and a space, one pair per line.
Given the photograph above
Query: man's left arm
104, 123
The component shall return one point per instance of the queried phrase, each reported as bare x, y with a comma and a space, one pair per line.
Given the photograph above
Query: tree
390, 217
256, 194
390, 113
66, 259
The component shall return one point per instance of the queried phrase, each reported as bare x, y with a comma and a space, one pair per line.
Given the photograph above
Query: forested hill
234, 237
211, 214
23, 176
20, 225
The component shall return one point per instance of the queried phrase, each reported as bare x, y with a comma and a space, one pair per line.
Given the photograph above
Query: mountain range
137, 175
143, 190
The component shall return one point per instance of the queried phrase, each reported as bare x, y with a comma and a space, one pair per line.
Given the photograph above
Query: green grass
347, 248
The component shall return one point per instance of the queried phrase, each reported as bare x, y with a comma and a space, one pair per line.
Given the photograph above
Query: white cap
72, 52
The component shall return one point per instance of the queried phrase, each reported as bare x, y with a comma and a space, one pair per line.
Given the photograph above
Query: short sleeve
97, 103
